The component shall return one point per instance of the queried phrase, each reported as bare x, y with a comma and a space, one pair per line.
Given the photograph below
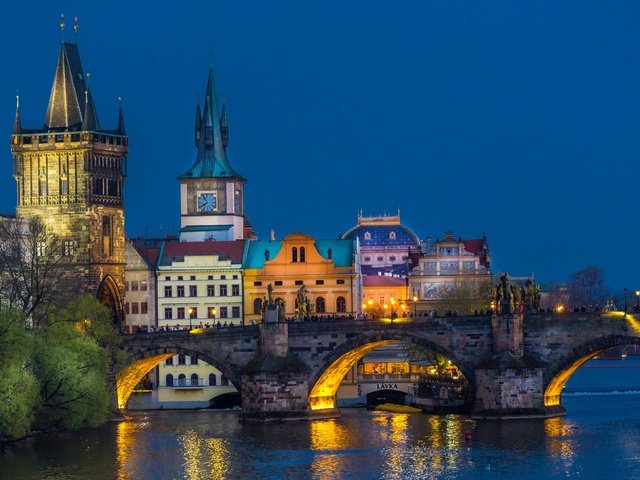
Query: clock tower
211, 191
70, 173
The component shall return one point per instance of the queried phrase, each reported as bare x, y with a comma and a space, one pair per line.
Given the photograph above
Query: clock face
206, 202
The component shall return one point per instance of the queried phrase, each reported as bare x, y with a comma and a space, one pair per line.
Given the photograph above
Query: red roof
226, 250
473, 246
383, 281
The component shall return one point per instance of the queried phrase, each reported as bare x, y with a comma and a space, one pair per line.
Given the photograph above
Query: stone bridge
516, 365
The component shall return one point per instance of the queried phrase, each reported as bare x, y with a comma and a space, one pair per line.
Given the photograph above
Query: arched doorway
108, 294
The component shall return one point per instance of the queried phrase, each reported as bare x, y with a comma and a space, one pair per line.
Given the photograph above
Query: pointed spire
17, 124
121, 128
198, 123
224, 126
67, 99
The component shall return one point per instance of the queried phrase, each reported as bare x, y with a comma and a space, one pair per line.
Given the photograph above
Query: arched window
320, 305
194, 380
182, 380
341, 304
212, 379
367, 235
169, 380
392, 235
224, 380
302, 259
257, 305
294, 254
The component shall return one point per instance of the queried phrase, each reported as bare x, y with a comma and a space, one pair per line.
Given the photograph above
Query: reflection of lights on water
125, 446
559, 443
328, 435
204, 458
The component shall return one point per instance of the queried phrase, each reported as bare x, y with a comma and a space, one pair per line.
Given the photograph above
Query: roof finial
88, 75
86, 95
62, 26
76, 27
17, 98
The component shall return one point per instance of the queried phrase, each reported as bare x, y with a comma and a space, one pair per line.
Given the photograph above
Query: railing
187, 383
457, 271
390, 377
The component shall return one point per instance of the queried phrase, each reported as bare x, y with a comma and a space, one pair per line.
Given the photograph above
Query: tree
587, 287
32, 267
466, 297
19, 390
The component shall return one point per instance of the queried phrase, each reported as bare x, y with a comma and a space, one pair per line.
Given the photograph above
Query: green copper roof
211, 161
254, 256
341, 251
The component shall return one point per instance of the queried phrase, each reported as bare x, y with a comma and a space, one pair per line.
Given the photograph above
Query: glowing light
197, 331
130, 376
560, 308
554, 390
323, 393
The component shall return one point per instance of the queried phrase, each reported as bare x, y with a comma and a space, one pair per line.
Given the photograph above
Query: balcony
187, 384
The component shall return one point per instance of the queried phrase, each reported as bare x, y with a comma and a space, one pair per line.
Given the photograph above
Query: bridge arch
144, 361
327, 376
558, 373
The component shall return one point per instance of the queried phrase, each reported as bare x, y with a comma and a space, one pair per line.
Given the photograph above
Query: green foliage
19, 392
466, 297
72, 370
56, 375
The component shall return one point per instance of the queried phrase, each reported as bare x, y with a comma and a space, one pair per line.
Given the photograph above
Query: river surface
599, 438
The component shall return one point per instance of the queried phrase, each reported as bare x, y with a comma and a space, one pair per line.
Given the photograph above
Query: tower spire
198, 124
17, 124
121, 128
62, 24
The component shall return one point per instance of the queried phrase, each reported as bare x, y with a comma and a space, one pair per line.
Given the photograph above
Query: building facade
71, 174
328, 269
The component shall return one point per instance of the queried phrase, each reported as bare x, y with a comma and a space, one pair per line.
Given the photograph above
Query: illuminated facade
200, 283
70, 173
329, 270
139, 289
447, 263
211, 191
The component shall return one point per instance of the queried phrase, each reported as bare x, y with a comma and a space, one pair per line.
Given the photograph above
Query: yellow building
385, 296
328, 269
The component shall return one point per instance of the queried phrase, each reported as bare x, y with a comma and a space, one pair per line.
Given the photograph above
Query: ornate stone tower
211, 191
71, 174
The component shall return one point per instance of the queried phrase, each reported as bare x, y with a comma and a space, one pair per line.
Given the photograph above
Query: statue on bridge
303, 305
272, 310
504, 295
531, 296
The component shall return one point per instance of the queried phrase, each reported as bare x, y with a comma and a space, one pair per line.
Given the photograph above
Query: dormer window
392, 235
367, 236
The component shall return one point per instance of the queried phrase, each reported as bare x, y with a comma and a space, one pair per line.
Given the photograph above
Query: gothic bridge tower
211, 191
70, 173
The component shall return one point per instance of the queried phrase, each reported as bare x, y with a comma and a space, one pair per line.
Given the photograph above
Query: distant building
71, 173
447, 264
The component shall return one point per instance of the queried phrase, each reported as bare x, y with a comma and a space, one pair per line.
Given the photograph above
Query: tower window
294, 254
107, 244
302, 259
67, 248
236, 202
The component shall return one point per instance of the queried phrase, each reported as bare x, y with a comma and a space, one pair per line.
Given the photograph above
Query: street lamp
415, 302
625, 302
637, 300
190, 317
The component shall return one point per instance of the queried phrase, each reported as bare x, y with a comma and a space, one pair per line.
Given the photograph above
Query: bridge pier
509, 383
275, 385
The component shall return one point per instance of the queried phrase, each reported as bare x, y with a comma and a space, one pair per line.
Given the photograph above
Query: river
598, 438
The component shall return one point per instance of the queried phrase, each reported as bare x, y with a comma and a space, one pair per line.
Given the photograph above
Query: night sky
518, 119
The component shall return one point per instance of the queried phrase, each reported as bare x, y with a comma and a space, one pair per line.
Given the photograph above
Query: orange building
328, 269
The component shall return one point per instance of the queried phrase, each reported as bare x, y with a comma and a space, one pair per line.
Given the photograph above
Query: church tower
211, 191
70, 173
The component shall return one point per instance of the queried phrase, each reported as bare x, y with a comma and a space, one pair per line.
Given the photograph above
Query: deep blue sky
518, 119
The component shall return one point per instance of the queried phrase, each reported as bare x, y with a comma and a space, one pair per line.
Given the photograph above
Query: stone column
509, 383
275, 384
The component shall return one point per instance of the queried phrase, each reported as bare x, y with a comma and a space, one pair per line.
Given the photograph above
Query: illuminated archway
560, 373
328, 377
108, 294
130, 376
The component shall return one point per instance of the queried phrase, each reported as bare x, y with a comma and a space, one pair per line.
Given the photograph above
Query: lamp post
190, 317
625, 302
637, 300
415, 303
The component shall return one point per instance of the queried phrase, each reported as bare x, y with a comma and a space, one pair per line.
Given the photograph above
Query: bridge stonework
515, 365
